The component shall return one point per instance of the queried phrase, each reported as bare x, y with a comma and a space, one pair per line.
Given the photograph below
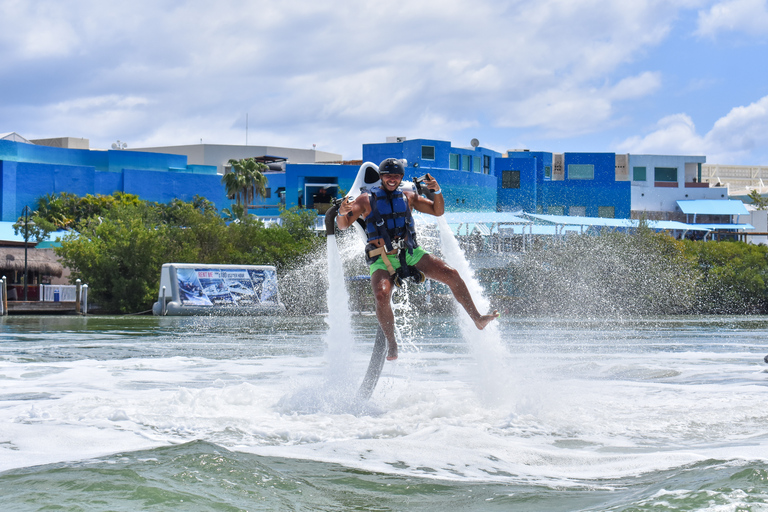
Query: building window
476, 164
548, 172
581, 172
577, 211
486, 164
453, 161
556, 210
665, 174
638, 174
606, 212
510, 179
466, 163
268, 194
427, 152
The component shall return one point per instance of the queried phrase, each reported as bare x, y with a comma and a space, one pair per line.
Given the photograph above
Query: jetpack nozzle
330, 217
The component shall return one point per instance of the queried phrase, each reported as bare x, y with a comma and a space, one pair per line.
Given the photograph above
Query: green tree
118, 256
246, 181
119, 252
33, 227
760, 202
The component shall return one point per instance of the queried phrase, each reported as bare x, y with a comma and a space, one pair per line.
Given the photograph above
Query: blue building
467, 175
474, 178
29, 171
574, 184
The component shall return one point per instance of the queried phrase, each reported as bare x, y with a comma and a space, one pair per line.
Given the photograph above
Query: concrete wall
219, 154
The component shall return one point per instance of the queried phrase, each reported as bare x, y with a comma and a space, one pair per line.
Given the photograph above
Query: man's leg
437, 269
382, 291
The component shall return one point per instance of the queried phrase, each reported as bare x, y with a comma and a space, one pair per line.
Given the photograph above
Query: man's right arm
350, 211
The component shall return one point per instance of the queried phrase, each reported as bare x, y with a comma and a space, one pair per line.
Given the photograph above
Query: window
577, 211
427, 152
581, 172
548, 172
606, 212
268, 195
476, 164
510, 179
665, 174
556, 210
453, 161
638, 174
466, 163
486, 164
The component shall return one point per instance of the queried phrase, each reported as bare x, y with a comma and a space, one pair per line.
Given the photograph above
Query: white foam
569, 417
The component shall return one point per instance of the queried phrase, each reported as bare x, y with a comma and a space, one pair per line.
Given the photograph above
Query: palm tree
246, 180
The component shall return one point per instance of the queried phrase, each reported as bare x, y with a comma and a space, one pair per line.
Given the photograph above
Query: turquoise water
144, 413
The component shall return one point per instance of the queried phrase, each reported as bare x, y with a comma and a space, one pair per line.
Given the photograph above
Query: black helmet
392, 166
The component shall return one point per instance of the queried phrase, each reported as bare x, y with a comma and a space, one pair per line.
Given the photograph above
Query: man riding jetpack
392, 251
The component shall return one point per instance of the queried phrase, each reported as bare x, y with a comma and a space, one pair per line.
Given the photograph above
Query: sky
679, 77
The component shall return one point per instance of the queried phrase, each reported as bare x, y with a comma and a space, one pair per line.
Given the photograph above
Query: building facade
30, 171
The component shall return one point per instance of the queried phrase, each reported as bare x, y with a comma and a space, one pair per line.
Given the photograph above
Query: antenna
119, 145
475, 143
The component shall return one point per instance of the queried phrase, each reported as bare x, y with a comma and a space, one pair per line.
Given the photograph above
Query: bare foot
392, 352
486, 319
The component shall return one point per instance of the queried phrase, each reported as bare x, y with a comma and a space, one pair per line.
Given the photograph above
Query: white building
659, 181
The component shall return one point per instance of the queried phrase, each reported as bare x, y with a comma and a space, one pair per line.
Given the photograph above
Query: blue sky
641, 76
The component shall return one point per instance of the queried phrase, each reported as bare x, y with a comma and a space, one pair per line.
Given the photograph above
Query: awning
713, 207
42, 261
659, 225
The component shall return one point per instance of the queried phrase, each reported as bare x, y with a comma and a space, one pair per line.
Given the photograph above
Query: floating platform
188, 289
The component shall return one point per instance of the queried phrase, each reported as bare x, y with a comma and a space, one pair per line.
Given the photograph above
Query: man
392, 250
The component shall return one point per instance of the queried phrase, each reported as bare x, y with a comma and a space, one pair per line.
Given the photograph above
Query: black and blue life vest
390, 219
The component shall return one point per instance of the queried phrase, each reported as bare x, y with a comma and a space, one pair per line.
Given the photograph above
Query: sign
226, 287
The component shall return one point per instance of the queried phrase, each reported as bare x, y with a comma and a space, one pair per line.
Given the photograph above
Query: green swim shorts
410, 260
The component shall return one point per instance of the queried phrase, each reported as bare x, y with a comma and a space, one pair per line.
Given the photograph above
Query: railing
52, 298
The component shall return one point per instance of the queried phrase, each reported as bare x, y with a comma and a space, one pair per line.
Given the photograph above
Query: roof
43, 261
7, 234
14, 137
664, 225
713, 207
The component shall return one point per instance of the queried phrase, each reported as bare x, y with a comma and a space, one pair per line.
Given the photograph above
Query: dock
75, 300
36, 307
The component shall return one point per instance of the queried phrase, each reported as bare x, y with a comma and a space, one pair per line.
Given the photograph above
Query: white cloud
740, 132
337, 72
748, 16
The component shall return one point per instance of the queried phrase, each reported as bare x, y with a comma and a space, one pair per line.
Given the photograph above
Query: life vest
390, 219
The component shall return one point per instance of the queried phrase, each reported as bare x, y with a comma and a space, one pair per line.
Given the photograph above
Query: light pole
27, 223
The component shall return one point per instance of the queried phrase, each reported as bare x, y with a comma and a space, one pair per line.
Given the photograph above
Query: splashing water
485, 345
338, 338
336, 391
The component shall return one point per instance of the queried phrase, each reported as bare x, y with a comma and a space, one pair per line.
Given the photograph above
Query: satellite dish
114, 145
475, 143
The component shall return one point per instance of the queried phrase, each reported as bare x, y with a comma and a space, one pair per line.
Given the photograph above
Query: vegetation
760, 202
246, 181
117, 244
644, 273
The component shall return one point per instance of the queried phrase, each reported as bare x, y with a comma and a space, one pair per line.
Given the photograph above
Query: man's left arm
434, 207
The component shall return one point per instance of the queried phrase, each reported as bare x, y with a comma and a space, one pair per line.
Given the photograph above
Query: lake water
231, 414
